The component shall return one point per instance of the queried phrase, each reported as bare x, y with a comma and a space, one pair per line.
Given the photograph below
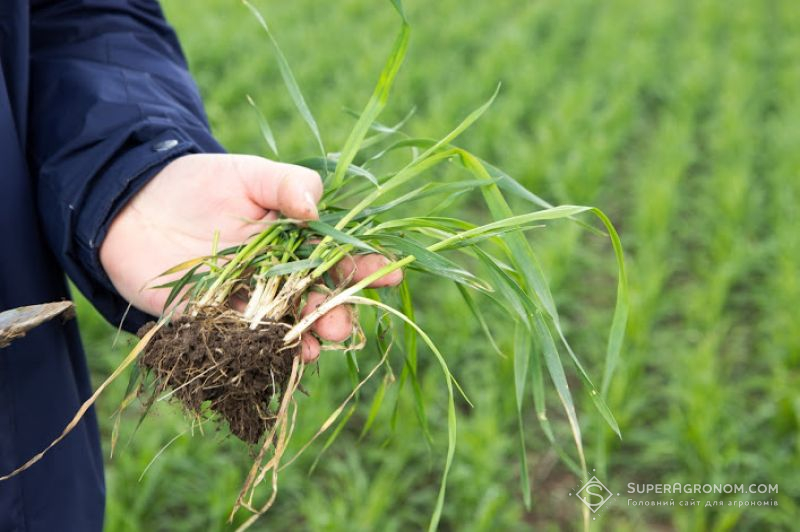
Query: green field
680, 119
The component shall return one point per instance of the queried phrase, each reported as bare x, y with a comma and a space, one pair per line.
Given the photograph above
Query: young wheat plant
197, 356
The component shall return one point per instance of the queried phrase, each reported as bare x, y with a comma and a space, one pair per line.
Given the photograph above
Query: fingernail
312, 205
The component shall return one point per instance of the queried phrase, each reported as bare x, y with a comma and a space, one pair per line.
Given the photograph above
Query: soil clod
214, 362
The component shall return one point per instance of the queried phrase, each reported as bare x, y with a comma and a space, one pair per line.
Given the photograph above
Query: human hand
174, 217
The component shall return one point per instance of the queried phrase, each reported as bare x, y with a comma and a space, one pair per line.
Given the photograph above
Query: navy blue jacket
95, 98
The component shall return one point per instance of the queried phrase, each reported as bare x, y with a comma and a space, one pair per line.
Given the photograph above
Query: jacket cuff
128, 174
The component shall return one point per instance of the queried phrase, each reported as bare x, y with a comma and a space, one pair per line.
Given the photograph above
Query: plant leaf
522, 355
478, 314
540, 405
289, 79
179, 285
463, 126
319, 164
451, 407
374, 106
556, 371
266, 131
332, 436
340, 236
410, 367
375, 407
526, 261
292, 267
431, 262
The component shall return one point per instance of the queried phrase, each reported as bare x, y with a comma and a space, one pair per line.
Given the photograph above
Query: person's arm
116, 125
111, 102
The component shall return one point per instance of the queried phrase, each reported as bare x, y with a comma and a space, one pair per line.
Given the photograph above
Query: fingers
238, 301
309, 345
290, 189
335, 325
309, 348
354, 269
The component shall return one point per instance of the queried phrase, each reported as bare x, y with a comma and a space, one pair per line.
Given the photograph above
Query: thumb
293, 190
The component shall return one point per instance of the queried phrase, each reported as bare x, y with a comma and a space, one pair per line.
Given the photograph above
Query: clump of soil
215, 361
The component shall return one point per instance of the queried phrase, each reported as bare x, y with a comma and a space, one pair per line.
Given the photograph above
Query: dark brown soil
216, 362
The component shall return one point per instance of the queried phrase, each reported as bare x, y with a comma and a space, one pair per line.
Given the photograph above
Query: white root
283, 429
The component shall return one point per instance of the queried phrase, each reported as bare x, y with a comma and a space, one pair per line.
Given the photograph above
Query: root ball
214, 362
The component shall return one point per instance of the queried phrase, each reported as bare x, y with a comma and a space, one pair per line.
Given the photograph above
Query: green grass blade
332, 437
512, 186
425, 191
340, 236
429, 158
540, 405
362, 172
184, 280
559, 378
322, 165
521, 363
375, 407
616, 334
621, 310
514, 295
263, 125
413, 143
383, 129
352, 369
490, 234
410, 367
463, 126
402, 177
148, 404
131, 392
398, 5
442, 225
597, 399
431, 262
451, 407
373, 108
133, 379
527, 263
511, 222
524, 259
539, 398
478, 314
289, 80
383, 133
536, 278
522, 355
292, 267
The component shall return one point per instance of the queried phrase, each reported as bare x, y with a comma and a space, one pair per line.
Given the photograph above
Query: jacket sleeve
111, 103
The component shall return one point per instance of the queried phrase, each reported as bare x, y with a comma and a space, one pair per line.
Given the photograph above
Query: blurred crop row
681, 119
